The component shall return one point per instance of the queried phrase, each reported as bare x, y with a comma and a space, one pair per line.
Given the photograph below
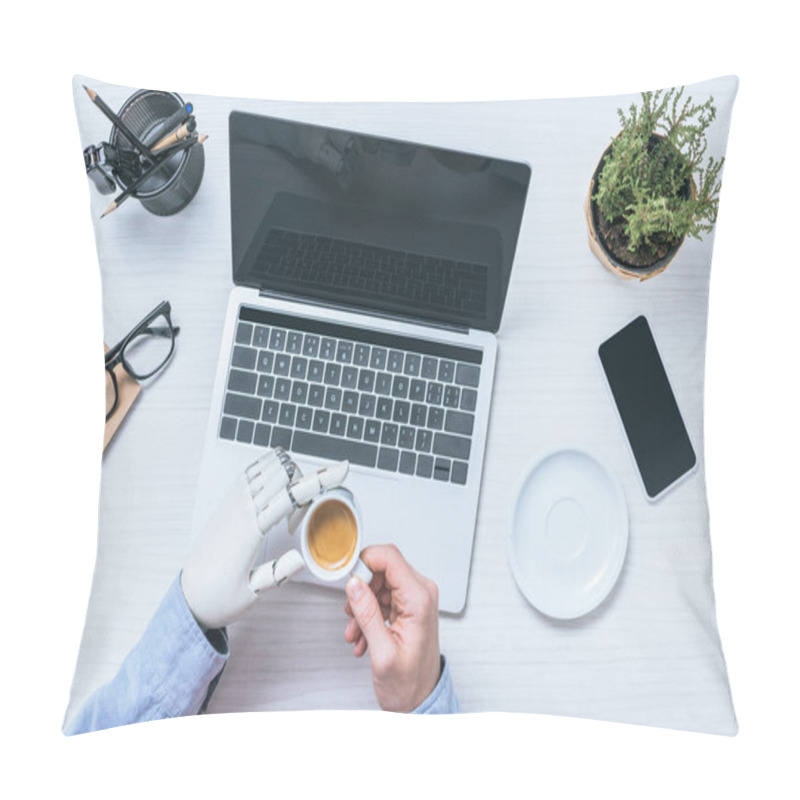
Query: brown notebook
128, 392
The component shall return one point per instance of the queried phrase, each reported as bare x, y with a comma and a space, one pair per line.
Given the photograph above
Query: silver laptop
370, 277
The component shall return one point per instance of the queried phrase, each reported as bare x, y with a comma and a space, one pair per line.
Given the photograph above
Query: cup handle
362, 571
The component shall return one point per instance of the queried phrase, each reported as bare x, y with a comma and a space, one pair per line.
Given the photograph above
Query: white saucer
569, 534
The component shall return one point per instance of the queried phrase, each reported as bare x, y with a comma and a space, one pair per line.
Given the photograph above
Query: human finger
389, 561
385, 598
352, 631
360, 646
384, 601
377, 584
367, 613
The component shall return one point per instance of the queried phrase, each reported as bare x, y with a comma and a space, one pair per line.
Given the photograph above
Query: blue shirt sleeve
171, 672
442, 700
174, 668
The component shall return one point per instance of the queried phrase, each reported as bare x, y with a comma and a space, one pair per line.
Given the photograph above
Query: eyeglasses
143, 352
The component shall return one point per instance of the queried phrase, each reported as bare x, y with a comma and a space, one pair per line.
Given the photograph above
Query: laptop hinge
447, 326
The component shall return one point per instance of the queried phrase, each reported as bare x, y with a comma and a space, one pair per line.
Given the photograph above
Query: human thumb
367, 614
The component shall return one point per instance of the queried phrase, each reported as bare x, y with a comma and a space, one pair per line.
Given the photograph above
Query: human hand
218, 579
396, 617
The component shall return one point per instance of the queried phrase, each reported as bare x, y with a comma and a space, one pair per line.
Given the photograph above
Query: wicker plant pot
604, 255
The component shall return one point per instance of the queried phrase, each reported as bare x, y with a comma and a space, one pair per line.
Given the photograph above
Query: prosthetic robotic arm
219, 579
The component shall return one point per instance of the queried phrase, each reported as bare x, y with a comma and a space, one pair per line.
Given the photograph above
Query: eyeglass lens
150, 349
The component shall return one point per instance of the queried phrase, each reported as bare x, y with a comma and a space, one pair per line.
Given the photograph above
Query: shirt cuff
442, 700
182, 660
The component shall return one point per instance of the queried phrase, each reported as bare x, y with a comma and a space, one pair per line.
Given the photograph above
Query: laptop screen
367, 223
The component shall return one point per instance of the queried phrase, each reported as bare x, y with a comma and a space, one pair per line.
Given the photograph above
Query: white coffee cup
331, 538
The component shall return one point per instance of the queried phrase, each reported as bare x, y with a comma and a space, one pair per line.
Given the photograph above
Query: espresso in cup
332, 535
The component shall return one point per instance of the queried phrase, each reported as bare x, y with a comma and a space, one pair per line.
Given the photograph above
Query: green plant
653, 188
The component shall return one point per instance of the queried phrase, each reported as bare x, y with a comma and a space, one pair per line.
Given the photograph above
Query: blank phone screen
647, 406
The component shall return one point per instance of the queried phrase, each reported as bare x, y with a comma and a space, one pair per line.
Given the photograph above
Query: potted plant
651, 188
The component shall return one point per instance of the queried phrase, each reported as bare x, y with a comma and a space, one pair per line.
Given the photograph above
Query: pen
178, 118
185, 130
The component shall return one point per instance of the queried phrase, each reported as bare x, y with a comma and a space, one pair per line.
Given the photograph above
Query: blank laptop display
390, 227
376, 225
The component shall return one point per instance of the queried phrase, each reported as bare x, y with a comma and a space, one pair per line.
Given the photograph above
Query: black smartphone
647, 407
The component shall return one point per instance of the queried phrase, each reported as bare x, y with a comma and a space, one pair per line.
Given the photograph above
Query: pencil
137, 143
185, 130
176, 119
130, 190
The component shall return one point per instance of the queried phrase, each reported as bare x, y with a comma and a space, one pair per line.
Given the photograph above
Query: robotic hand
218, 579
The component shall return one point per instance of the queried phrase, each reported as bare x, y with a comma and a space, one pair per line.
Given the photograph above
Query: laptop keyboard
302, 260
332, 391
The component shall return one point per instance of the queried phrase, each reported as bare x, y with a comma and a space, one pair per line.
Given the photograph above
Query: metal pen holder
166, 190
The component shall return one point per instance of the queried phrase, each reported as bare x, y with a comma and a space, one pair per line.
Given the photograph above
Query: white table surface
649, 654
